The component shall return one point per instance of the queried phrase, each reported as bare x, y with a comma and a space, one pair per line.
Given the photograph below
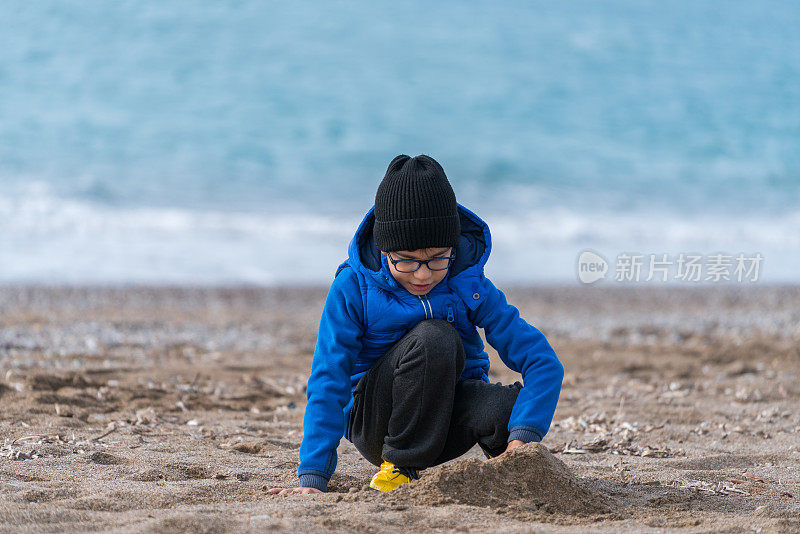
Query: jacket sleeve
524, 349
328, 389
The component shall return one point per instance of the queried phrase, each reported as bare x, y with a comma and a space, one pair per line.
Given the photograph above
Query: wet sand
148, 409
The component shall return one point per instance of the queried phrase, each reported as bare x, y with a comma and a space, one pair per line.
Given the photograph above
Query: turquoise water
242, 141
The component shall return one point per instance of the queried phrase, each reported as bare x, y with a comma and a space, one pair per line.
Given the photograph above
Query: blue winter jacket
367, 311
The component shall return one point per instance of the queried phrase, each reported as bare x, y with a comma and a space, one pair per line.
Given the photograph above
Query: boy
399, 368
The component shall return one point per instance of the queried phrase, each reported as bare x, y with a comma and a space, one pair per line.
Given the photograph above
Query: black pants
410, 409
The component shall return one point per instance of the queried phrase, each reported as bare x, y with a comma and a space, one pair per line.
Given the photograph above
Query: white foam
47, 239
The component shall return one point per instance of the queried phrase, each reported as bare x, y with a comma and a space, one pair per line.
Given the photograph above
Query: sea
241, 141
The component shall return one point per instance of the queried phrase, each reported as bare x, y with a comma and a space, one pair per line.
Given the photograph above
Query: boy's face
423, 279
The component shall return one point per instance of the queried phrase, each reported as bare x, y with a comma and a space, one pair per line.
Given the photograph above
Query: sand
528, 477
147, 409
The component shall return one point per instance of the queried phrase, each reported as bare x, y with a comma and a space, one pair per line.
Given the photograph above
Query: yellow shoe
389, 478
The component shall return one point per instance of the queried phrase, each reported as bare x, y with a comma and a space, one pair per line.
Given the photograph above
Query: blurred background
237, 142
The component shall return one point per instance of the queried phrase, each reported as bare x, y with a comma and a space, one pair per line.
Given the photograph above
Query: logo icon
591, 267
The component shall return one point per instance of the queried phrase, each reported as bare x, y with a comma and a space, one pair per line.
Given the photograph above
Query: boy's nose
422, 275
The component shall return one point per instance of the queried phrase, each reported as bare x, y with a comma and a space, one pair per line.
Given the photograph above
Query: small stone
103, 458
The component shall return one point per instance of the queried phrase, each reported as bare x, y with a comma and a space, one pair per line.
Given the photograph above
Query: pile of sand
528, 477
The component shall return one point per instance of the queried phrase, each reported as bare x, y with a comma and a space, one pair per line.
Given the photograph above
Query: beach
175, 409
179, 182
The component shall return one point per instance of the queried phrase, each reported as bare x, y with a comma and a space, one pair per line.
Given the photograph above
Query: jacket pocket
450, 314
455, 313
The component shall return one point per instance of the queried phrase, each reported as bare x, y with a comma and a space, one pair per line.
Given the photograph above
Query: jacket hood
472, 251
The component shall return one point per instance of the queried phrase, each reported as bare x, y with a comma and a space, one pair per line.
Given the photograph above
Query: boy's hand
304, 491
513, 444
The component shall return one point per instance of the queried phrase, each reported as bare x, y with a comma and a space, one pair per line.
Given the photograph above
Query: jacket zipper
423, 306
427, 308
450, 317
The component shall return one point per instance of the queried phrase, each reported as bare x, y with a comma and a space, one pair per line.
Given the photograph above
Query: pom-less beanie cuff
413, 234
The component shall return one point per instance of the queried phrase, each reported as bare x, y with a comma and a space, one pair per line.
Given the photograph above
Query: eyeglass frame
450, 259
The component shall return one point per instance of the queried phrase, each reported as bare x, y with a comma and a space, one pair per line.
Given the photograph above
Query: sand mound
528, 477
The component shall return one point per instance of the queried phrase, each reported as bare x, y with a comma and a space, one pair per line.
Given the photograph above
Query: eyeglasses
434, 264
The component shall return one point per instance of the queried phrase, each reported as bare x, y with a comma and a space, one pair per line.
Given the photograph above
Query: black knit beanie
415, 207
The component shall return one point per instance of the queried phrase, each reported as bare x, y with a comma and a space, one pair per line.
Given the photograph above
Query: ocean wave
46, 238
